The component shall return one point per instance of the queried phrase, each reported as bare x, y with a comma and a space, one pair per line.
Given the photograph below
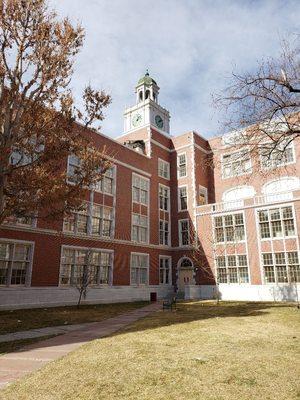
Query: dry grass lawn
22, 320
245, 351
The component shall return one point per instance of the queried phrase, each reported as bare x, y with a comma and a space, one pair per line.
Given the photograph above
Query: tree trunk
80, 297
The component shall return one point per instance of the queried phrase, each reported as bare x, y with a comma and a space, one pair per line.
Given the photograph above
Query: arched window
186, 263
281, 189
141, 96
147, 94
238, 193
284, 184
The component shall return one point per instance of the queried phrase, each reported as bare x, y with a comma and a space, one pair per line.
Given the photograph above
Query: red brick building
137, 230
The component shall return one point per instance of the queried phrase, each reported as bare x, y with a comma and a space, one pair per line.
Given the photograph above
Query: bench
170, 303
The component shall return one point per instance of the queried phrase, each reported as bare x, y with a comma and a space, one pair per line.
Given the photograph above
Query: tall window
163, 169
101, 220
21, 221
184, 234
232, 269
14, 263
140, 189
139, 269
164, 233
106, 183
164, 198
181, 165
229, 228
276, 222
93, 219
94, 266
235, 164
27, 151
281, 155
281, 267
164, 270
74, 167
139, 228
182, 198
202, 195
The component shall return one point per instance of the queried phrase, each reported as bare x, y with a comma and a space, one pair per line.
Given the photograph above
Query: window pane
289, 229
269, 274
18, 274
276, 228
263, 216
222, 275
218, 221
21, 252
267, 259
219, 235
264, 230
3, 272
233, 277
243, 273
221, 261
287, 212
281, 274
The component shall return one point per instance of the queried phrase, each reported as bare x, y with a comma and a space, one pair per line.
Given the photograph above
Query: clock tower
147, 111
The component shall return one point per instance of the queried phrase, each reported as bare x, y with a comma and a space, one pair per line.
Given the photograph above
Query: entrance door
185, 274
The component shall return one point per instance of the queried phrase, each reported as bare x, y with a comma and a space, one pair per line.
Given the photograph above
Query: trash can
153, 297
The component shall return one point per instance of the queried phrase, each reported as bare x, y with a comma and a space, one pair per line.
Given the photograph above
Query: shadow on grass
189, 311
25, 319
186, 312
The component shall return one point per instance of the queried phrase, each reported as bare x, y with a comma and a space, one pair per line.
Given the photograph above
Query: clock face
159, 121
136, 120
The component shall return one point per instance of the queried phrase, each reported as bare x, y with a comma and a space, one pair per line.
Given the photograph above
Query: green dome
147, 80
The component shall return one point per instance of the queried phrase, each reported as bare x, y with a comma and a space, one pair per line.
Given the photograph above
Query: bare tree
204, 261
86, 275
208, 251
37, 113
262, 107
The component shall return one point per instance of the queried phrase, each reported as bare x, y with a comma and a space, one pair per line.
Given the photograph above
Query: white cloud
190, 48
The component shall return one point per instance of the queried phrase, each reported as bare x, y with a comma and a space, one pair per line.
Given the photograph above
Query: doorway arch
185, 273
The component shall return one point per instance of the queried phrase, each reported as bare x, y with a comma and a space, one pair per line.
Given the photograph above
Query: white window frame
30, 261
165, 164
94, 188
148, 268
90, 217
268, 208
17, 221
169, 197
178, 165
286, 264
91, 249
162, 257
148, 189
237, 266
273, 164
247, 172
179, 198
203, 190
139, 230
223, 215
180, 232
69, 176
19, 159
113, 179
159, 231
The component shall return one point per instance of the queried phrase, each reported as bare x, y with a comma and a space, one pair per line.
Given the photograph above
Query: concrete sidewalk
30, 358
40, 332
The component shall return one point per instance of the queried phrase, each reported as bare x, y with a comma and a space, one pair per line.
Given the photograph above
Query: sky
190, 47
